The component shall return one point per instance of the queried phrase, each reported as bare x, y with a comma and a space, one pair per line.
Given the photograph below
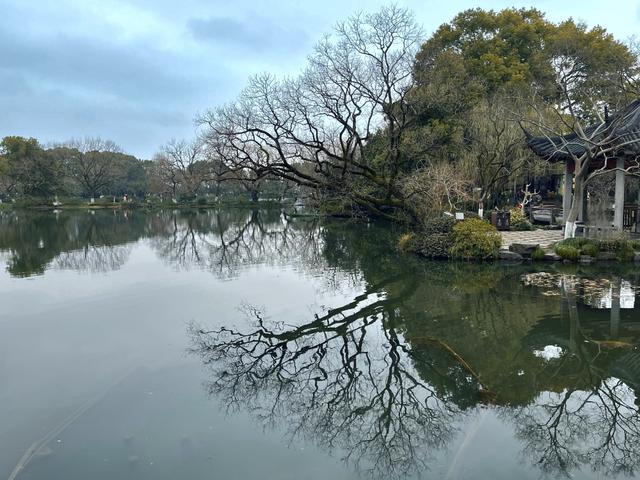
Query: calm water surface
239, 344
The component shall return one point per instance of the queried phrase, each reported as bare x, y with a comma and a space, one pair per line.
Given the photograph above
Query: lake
249, 344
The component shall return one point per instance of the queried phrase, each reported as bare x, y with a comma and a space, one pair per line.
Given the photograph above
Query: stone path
542, 237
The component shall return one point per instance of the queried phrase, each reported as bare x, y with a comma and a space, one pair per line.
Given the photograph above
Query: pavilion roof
621, 128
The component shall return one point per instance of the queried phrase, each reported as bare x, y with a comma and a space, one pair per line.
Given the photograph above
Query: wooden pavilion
613, 144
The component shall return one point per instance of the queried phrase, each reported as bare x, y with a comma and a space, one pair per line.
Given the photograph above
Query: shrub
625, 252
518, 220
201, 201
567, 251
577, 242
434, 246
405, 242
435, 225
525, 226
590, 249
635, 244
475, 239
537, 254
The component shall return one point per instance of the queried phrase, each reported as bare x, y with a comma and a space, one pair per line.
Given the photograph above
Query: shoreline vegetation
476, 239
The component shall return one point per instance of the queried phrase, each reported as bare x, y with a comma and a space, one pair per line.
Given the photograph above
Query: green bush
438, 225
577, 242
635, 244
622, 247
475, 239
625, 252
537, 254
590, 249
434, 246
518, 220
567, 251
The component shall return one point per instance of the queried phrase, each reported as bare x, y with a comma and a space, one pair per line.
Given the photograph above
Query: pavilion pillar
582, 205
619, 198
567, 194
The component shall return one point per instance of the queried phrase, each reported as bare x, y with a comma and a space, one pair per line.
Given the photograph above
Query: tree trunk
576, 205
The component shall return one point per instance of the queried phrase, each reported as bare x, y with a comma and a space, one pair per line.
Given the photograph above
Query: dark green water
240, 344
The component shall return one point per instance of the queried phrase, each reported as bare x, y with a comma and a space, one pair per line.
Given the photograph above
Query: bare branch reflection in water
223, 245
592, 419
93, 258
388, 376
346, 380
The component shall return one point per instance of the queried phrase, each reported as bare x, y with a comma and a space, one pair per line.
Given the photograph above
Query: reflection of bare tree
576, 428
345, 380
593, 422
92, 258
223, 244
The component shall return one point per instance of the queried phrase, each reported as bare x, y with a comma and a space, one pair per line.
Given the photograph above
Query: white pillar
568, 191
619, 199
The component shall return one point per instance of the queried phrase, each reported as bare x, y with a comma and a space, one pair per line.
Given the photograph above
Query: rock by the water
509, 255
552, 257
524, 249
606, 256
586, 259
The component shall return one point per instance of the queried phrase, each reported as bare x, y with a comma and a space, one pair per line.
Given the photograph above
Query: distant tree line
93, 168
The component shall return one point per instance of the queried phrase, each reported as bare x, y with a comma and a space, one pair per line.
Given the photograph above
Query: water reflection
392, 377
221, 241
37, 241
226, 240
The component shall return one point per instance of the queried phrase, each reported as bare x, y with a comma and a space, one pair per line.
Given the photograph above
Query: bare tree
182, 165
313, 130
495, 152
437, 188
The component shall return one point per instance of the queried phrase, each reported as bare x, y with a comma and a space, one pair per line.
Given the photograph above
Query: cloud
137, 71
256, 34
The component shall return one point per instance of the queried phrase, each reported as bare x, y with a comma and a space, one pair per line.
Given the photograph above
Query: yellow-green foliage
475, 239
567, 252
537, 254
517, 216
590, 249
405, 242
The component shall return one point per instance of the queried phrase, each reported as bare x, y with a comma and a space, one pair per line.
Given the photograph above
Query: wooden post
568, 191
618, 217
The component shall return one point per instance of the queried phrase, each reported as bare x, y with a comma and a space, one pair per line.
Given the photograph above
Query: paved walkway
542, 237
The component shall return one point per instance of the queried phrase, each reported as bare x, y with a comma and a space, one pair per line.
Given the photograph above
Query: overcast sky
138, 71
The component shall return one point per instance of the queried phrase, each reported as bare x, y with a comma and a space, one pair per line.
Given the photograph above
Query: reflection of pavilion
620, 295
602, 340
